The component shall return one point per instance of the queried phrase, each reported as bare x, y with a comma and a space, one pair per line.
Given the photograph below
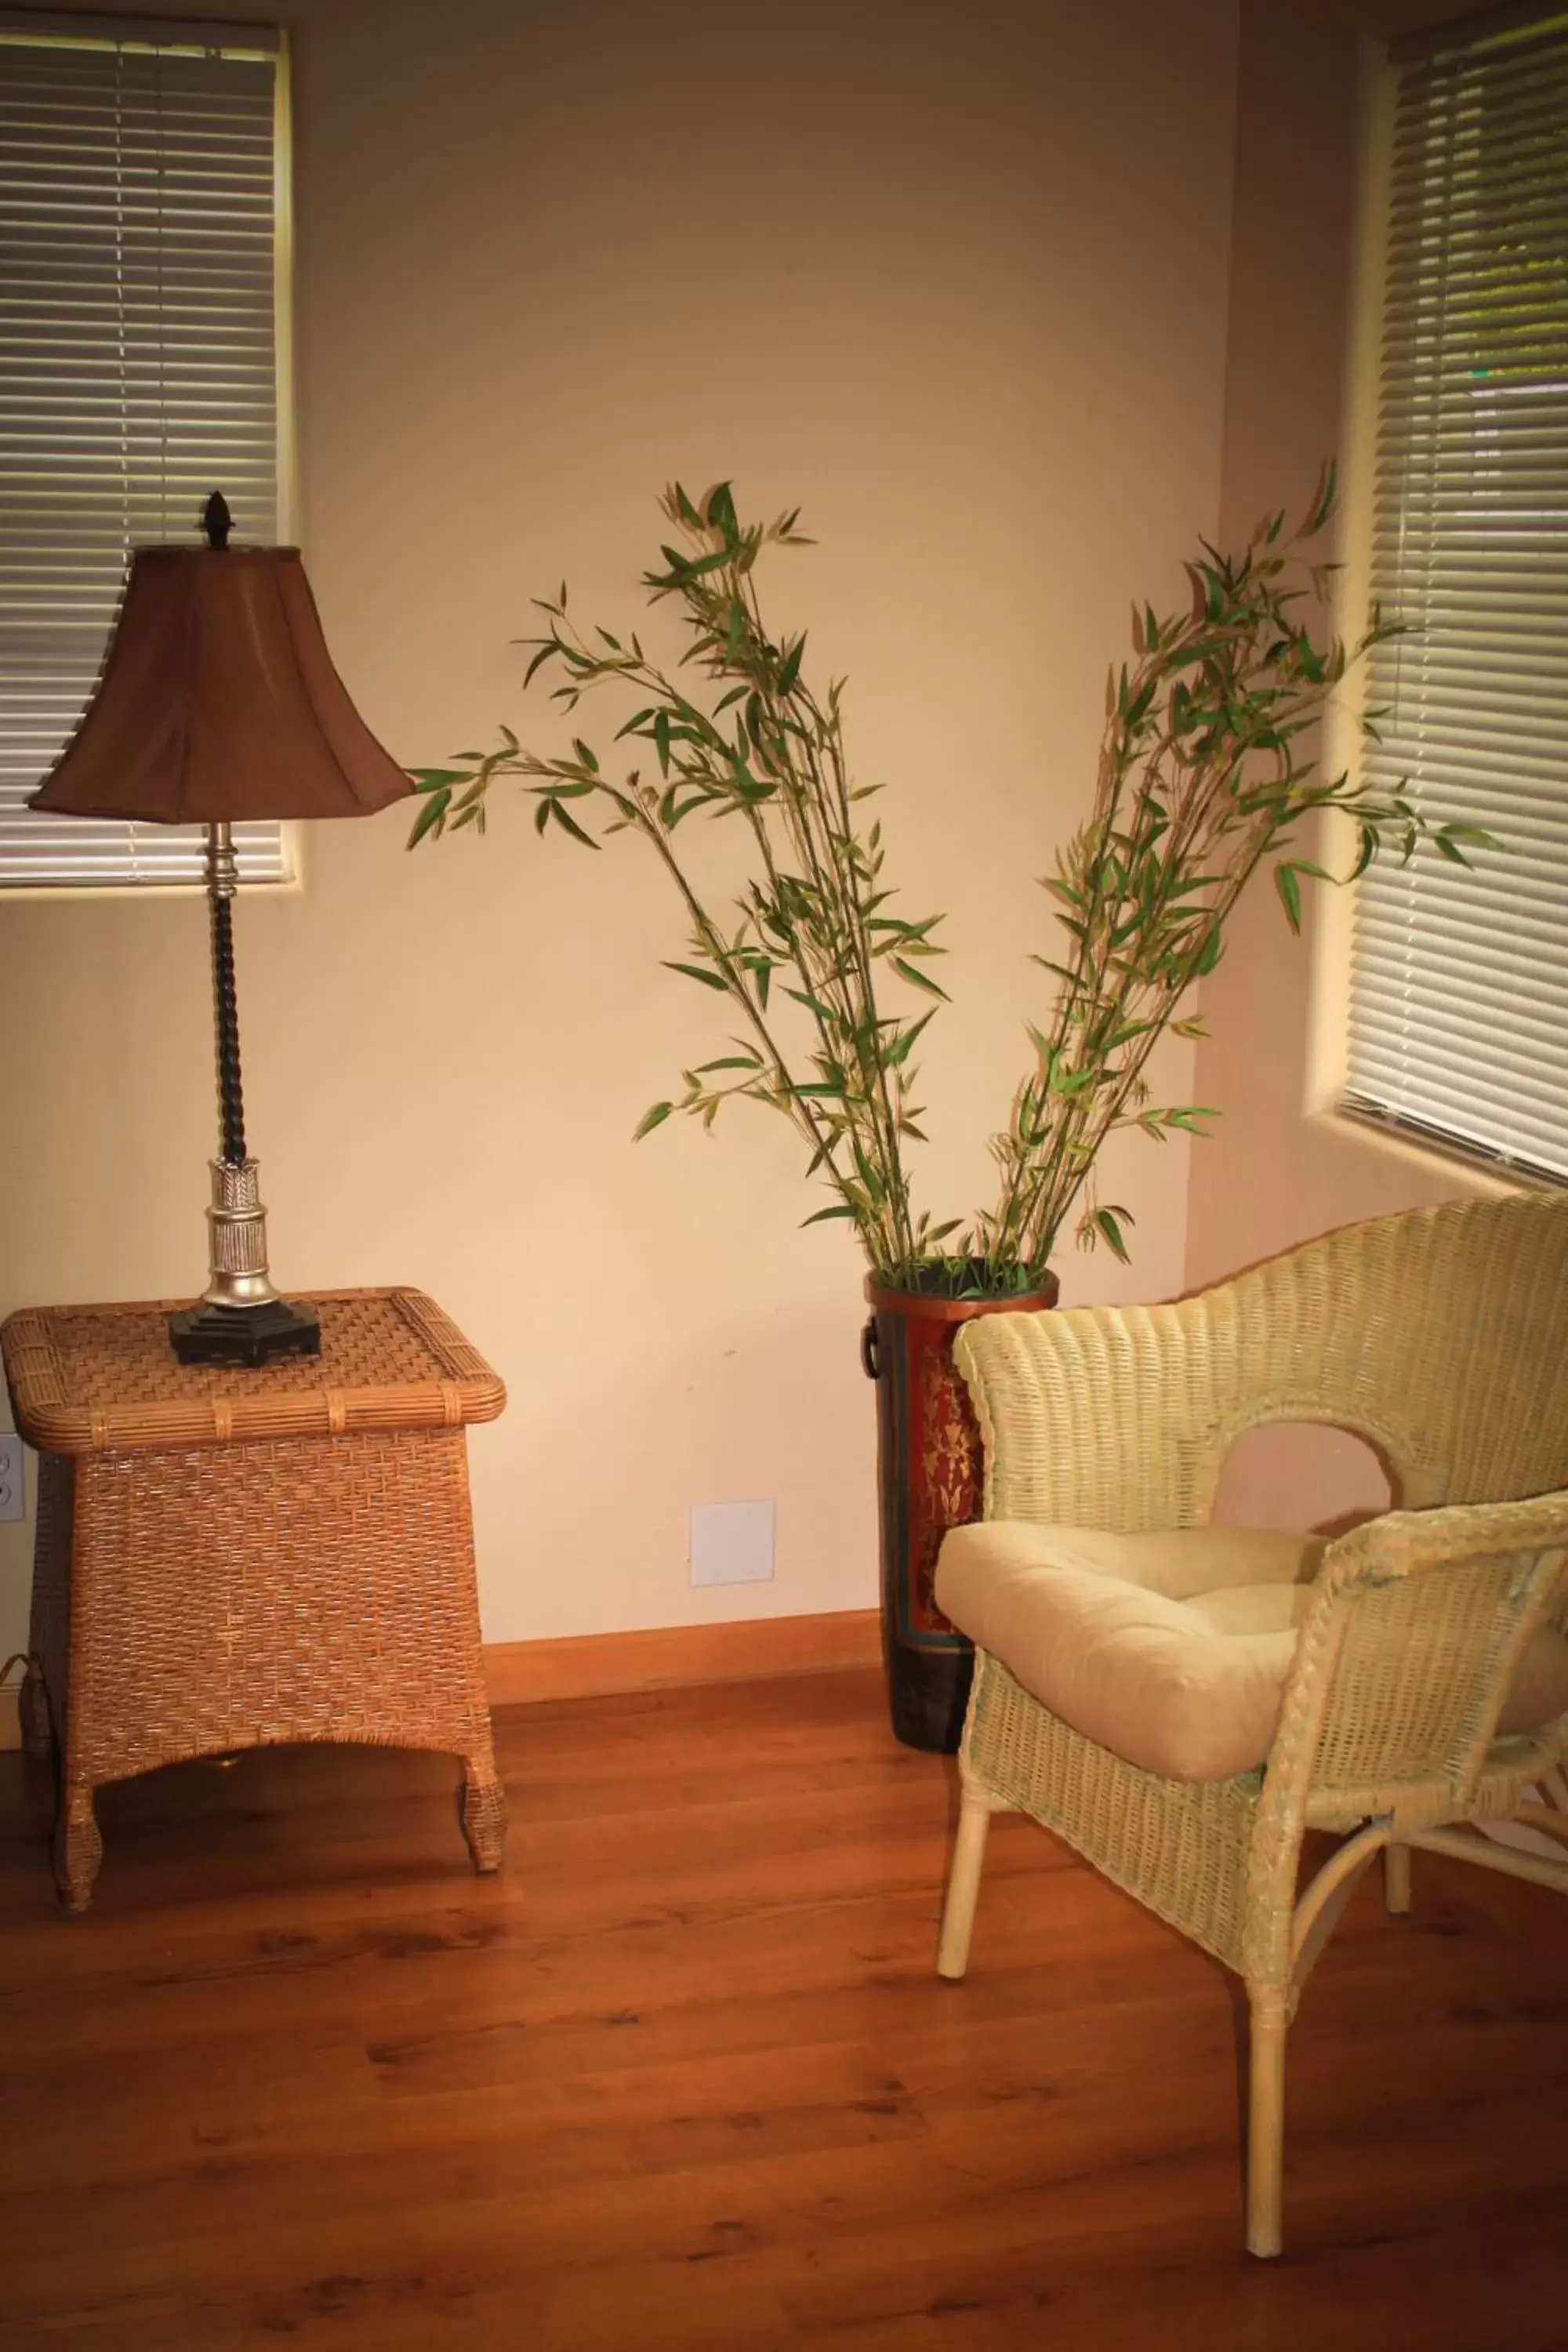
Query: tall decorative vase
930, 1477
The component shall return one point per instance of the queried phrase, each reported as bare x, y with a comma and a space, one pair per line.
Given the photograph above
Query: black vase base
927, 1693
244, 1335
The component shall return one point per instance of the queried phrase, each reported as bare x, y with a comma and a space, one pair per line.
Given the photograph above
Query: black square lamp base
244, 1335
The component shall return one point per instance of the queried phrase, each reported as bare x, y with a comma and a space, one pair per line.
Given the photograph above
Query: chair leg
963, 1884
1265, 2119
1397, 1876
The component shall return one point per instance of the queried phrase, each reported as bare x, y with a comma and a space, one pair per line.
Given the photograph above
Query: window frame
1328, 1097
283, 869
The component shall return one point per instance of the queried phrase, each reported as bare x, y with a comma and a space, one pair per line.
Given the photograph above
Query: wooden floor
683, 2078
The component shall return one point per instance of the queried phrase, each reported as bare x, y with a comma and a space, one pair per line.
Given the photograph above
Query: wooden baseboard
594, 1665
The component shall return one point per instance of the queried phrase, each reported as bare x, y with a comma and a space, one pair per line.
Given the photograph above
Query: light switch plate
732, 1543
12, 1477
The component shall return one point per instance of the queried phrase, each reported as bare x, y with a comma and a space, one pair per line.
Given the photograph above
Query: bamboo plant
1206, 772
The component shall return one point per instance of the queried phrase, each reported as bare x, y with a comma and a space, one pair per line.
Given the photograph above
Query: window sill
1489, 1177
133, 893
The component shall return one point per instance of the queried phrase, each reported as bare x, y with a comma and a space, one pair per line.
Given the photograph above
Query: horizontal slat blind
1459, 1018
137, 372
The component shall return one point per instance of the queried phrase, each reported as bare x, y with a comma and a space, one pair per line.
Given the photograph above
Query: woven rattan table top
84, 1380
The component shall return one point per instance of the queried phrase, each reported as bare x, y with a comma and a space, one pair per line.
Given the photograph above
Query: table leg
78, 1848
481, 1809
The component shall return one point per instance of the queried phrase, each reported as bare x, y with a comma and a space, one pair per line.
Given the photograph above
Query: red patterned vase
931, 1475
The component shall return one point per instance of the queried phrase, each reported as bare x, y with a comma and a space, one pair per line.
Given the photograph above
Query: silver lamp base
240, 1318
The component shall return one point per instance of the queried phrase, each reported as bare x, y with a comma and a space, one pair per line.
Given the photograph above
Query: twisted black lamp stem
226, 1011
223, 880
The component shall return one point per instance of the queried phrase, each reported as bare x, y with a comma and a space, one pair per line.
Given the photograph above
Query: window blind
139, 227
1459, 1020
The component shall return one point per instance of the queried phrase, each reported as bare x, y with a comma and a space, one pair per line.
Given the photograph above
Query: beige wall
953, 280
1273, 1173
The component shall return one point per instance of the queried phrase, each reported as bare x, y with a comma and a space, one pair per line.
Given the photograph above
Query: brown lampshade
218, 702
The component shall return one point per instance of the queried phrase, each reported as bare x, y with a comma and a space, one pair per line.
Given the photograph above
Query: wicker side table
230, 1558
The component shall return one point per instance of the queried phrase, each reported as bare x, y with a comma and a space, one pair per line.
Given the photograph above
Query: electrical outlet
13, 1478
732, 1543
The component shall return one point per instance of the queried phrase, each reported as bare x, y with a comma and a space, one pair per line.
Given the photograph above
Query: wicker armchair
1419, 1664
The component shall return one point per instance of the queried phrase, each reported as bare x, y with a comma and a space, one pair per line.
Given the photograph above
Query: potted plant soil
1202, 778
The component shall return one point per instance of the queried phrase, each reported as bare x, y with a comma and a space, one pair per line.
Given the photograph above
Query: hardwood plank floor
683, 2076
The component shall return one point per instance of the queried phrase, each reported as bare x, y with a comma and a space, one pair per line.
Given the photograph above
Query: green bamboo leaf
1446, 839
569, 823
917, 979
1475, 836
824, 1012
1289, 891
821, 1216
703, 564
1107, 1222
1323, 498
430, 817
654, 1116
876, 1188
694, 971
898, 1051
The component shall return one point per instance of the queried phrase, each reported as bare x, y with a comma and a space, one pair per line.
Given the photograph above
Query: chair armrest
1408, 1653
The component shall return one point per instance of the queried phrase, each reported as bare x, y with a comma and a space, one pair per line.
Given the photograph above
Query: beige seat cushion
1169, 1649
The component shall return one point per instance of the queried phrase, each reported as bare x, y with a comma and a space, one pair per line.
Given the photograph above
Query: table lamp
218, 704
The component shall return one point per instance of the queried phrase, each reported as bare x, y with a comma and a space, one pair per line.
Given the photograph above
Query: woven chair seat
1172, 1649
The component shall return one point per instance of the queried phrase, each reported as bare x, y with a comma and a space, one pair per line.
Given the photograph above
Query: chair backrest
1439, 1335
